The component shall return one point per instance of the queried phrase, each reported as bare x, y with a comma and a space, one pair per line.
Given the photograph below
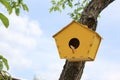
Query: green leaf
57, 9
1, 66
80, 8
7, 5
13, 4
53, 2
99, 16
76, 11
71, 15
70, 4
25, 7
1, 56
5, 63
62, 1
63, 6
20, 1
84, 1
51, 9
4, 20
17, 11
76, 4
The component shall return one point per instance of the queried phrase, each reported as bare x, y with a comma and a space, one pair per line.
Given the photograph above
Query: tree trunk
74, 70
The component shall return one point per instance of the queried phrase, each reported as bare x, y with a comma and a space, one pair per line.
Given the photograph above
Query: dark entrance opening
74, 42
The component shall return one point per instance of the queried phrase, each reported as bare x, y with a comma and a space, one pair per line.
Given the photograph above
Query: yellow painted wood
76, 42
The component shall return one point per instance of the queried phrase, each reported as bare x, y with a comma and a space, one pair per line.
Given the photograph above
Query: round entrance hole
74, 42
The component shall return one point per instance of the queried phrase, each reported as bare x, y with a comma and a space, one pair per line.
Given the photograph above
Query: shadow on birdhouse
76, 42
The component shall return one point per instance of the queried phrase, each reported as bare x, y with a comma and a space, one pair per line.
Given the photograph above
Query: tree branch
91, 12
74, 70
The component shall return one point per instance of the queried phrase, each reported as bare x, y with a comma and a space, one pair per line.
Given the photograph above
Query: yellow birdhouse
76, 42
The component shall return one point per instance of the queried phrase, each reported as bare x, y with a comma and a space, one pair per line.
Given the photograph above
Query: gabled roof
85, 26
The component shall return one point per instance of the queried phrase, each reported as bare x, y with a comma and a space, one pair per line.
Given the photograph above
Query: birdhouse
76, 42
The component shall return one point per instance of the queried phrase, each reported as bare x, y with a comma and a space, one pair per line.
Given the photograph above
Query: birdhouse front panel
74, 42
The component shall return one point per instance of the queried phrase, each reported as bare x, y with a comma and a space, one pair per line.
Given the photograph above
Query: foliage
4, 75
11, 5
79, 5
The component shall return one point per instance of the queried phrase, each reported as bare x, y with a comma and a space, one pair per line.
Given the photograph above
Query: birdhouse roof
84, 26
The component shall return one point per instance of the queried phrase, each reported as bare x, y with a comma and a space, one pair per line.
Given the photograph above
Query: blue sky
31, 50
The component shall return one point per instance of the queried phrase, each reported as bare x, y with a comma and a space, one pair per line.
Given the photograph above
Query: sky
31, 50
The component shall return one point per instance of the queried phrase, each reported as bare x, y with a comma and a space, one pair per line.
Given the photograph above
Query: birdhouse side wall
94, 47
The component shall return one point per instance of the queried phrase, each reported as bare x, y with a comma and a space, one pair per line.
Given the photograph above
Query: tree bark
74, 70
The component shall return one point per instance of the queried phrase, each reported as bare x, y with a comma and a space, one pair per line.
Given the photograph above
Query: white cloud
22, 45
19, 39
